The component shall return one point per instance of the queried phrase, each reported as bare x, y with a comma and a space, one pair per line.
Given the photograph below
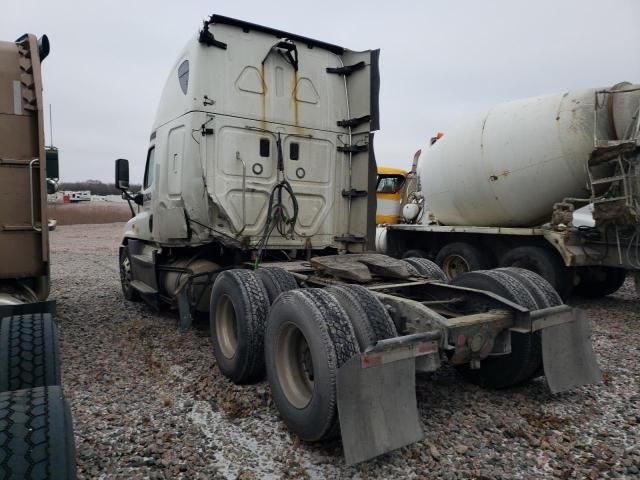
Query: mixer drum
509, 166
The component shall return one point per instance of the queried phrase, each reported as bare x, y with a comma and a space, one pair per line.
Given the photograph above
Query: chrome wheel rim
125, 272
455, 265
226, 326
294, 366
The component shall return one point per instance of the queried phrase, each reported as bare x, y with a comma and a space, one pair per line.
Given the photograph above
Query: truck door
175, 152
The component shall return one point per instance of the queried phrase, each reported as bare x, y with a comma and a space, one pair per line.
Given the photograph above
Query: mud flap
377, 408
568, 356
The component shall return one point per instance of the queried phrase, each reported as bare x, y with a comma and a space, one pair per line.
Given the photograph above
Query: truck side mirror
43, 47
138, 199
52, 167
122, 174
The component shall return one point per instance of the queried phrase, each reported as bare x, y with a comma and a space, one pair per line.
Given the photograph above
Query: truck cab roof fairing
221, 19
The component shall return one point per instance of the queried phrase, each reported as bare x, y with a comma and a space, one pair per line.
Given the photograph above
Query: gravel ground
149, 401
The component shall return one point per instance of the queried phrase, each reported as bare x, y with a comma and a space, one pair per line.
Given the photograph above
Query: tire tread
36, 442
427, 268
28, 352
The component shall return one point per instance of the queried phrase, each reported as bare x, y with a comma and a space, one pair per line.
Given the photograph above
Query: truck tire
543, 291
596, 282
544, 262
29, 353
458, 258
524, 360
413, 271
237, 316
276, 281
545, 297
308, 338
427, 268
371, 321
36, 440
128, 291
414, 253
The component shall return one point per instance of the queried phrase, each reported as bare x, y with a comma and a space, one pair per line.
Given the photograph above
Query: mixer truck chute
258, 207
512, 187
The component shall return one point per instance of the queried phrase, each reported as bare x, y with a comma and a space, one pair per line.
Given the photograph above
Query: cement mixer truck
36, 437
257, 212
550, 184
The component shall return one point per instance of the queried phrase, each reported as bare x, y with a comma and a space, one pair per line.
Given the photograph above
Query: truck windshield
389, 184
150, 168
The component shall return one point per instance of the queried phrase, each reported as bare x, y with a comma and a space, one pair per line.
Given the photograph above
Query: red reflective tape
371, 360
427, 347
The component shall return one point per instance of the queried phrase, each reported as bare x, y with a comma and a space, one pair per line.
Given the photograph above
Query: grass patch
88, 212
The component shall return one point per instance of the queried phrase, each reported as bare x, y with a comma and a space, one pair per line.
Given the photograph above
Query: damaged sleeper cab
258, 207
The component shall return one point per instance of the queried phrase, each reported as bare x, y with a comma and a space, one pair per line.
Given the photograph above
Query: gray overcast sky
440, 60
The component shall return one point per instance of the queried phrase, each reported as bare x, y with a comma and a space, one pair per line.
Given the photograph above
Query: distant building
68, 196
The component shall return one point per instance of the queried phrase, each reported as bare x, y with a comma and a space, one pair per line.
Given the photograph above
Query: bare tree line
96, 187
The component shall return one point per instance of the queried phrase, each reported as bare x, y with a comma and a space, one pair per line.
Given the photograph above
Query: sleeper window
183, 76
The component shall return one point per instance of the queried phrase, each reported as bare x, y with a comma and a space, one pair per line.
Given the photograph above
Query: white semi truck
506, 188
258, 207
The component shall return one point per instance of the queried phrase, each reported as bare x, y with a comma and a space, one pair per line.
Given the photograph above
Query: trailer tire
544, 262
29, 352
237, 316
36, 441
371, 321
276, 281
308, 338
457, 258
427, 268
526, 354
128, 291
593, 285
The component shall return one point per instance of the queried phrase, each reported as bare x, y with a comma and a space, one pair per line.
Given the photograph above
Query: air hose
277, 214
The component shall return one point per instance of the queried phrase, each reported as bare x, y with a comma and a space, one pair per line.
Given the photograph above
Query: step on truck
550, 184
36, 437
258, 210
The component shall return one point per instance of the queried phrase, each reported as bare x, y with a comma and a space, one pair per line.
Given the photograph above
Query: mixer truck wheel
128, 291
458, 258
36, 441
544, 262
427, 268
596, 282
414, 253
526, 354
371, 321
308, 338
28, 352
276, 281
237, 316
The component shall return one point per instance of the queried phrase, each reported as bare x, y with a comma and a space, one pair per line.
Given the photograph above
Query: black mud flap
377, 408
377, 397
568, 356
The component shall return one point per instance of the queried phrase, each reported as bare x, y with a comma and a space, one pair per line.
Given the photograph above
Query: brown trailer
31, 398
